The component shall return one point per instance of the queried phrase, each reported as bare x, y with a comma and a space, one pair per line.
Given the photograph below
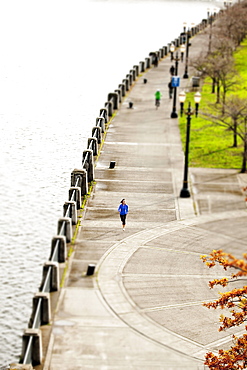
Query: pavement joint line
162, 330
133, 181
226, 339
141, 144
165, 330
138, 275
178, 305
170, 250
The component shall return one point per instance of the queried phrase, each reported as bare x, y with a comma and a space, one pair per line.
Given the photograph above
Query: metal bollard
79, 177
54, 281
70, 207
65, 227
60, 242
36, 345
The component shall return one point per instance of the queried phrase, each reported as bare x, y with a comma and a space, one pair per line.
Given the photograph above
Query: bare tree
233, 23
221, 69
234, 119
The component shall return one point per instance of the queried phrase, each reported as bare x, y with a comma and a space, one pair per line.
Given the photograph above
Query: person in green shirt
157, 98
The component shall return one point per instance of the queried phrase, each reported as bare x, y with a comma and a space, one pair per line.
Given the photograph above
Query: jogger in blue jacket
123, 210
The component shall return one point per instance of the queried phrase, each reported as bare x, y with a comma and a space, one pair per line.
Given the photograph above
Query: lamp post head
172, 48
181, 97
197, 99
182, 48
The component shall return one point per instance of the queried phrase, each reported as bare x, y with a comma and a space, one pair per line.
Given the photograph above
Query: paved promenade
142, 309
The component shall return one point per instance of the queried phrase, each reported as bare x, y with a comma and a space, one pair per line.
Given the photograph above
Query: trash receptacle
195, 81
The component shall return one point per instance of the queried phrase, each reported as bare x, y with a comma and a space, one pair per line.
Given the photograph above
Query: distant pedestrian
123, 210
172, 70
156, 61
157, 98
170, 88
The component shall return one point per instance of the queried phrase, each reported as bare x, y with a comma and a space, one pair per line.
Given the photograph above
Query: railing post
103, 112
114, 96
76, 191
109, 106
54, 278
148, 62
71, 206
45, 313
62, 248
93, 144
89, 165
133, 74
130, 78
100, 121
126, 83
36, 345
81, 176
137, 69
118, 91
142, 66
67, 229
97, 132
122, 88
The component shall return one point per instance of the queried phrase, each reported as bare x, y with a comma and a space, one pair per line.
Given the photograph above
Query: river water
59, 60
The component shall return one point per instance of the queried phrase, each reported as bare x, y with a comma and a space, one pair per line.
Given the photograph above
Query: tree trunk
218, 93
224, 97
235, 141
243, 169
213, 85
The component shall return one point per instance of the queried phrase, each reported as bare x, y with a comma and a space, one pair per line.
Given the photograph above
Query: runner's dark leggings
123, 219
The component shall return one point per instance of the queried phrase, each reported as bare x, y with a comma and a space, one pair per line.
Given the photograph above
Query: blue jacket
123, 209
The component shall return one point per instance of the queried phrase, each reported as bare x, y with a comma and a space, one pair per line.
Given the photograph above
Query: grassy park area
211, 145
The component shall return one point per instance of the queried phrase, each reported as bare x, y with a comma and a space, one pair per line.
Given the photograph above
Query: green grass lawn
211, 145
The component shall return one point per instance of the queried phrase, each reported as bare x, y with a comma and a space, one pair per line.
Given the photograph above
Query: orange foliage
233, 359
236, 301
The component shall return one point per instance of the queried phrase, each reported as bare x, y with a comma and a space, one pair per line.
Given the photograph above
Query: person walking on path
156, 60
157, 98
172, 70
170, 89
123, 210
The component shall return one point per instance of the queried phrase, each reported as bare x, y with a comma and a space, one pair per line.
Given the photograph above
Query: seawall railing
81, 179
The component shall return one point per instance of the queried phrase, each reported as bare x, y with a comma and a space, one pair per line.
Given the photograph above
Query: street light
174, 113
188, 35
181, 98
172, 49
182, 50
184, 193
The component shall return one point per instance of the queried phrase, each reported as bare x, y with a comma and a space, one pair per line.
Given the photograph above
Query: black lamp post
174, 113
188, 35
184, 193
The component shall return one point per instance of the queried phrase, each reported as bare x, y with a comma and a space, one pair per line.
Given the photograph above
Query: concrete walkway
143, 307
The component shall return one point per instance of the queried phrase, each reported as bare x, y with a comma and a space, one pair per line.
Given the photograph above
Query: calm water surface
59, 60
